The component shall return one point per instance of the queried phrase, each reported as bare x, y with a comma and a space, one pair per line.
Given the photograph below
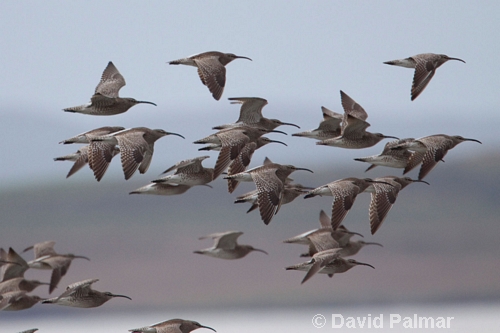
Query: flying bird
105, 101
226, 247
211, 69
425, 66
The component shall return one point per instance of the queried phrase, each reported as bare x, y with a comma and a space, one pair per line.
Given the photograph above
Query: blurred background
440, 254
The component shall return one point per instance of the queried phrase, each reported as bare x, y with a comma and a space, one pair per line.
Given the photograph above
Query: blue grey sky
304, 52
53, 54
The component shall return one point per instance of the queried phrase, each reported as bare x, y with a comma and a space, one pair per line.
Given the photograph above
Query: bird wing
240, 163
111, 82
192, 165
322, 240
344, 195
227, 240
432, 156
270, 193
324, 220
331, 120
232, 142
43, 249
353, 127
251, 109
100, 154
351, 107
83, 288
424, 71
133, 149
381, 203
81, 161
213, 74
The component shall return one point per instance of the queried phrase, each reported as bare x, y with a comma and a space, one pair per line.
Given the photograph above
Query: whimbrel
210, 69
251, 114
425, 65
429, 151
337, 265
344, 192
136, 148
47, 258
17, 300
162, 189
328, 128
20, 283
14, 265
226, 247
188, 172
341, 235
269, 180
290, 193
171, 326
81, 295
393, 158
317, 262
232, 141
353, 132
384, 196
105, 101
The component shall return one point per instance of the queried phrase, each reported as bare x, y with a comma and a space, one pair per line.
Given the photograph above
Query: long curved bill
242, 57
275, 141
146, 102
121, 296
170, 133
365, 264
259, 250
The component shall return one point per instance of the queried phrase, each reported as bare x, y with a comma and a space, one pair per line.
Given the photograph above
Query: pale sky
304, 53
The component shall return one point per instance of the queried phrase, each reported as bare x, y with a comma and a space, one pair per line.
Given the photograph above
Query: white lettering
395, 319
380, 321
339, 316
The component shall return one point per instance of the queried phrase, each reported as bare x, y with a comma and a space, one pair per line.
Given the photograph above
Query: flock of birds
328, 246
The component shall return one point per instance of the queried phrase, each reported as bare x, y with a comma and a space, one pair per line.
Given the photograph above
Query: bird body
341, 235
226, 247
188, 172
47, 258
81, 295
233, 142
270, 181
328, 128
162, 189
344, 192
353, 133
19, 283
425, 65
251, 114
17, 300
429, 151
171, 326
105, 101
393, 158
336, 266
211, 69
